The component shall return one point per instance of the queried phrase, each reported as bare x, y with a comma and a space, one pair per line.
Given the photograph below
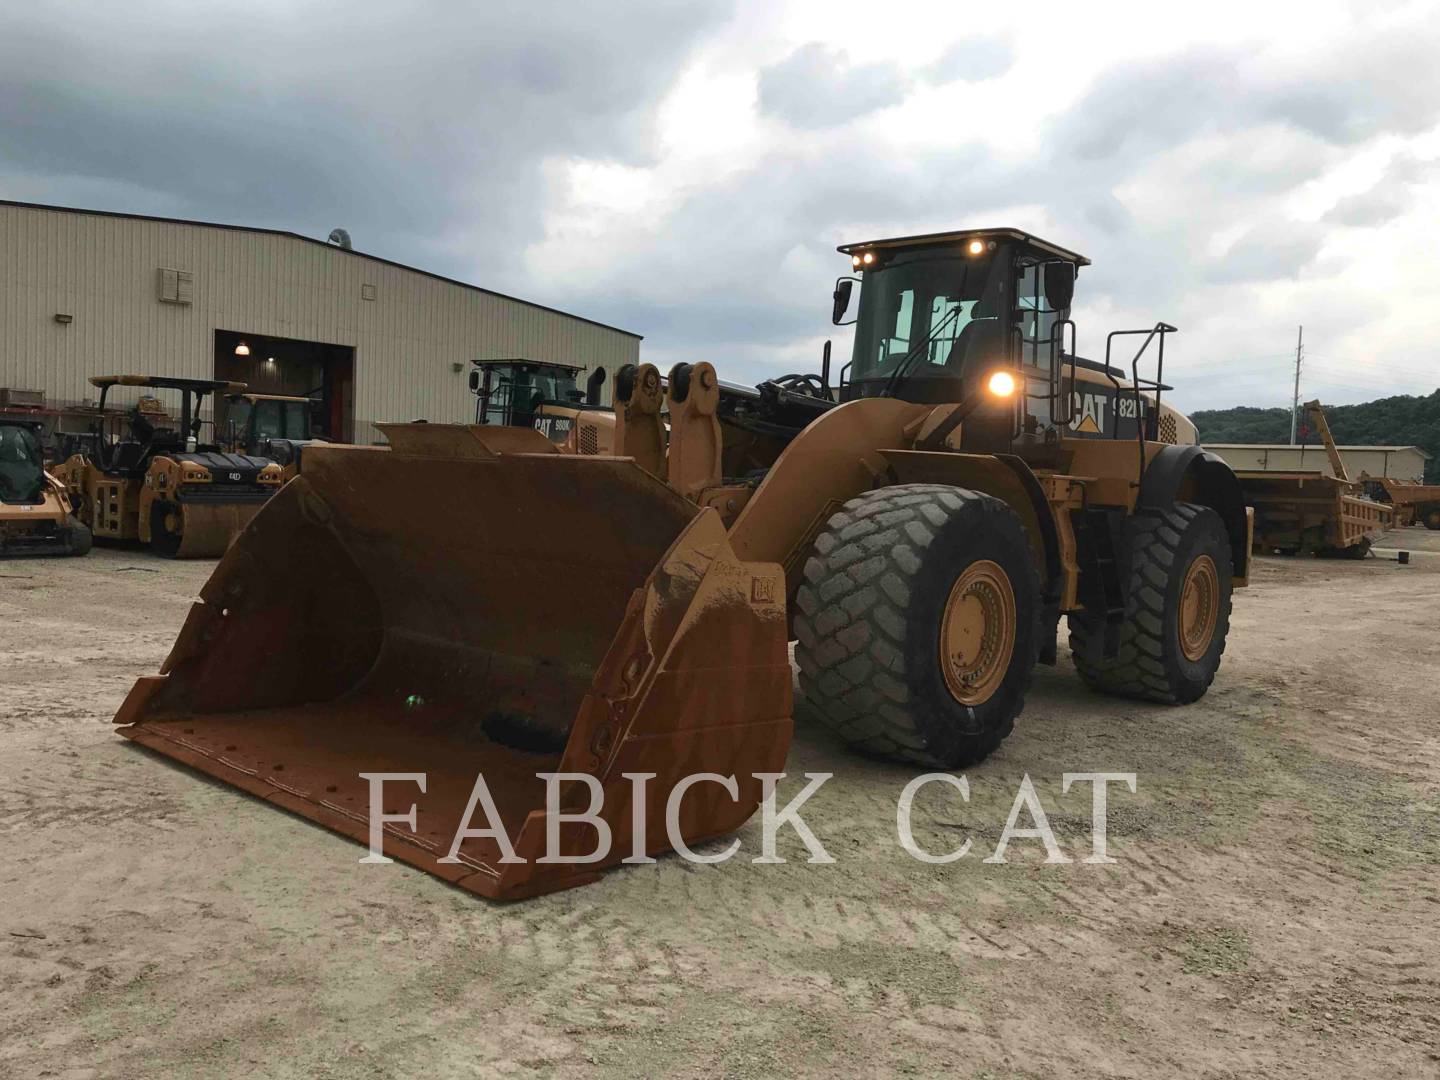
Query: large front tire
1177, 612
918, 623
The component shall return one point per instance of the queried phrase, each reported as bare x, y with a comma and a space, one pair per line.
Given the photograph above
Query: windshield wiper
909, 358
902, 368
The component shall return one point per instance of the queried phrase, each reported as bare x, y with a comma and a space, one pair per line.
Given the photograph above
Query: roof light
855, 262
242, 349
868, 258
976, 246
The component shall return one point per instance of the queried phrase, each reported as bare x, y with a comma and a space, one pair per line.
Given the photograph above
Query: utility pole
1295, 401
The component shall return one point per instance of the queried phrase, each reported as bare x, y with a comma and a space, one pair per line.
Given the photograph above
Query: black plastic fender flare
1193, 474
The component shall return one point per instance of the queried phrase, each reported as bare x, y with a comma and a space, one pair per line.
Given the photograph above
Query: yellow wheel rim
977, 633
1199, 607
173, 522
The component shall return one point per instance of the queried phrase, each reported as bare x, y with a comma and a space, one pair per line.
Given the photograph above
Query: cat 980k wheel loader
968, 482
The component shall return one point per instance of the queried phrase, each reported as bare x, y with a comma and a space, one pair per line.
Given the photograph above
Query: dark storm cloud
817, 87
420, 131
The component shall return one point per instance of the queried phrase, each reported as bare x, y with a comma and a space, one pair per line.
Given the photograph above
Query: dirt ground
1274, 910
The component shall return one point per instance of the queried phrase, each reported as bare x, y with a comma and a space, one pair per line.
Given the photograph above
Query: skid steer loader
161, 485
627, 616
36, 513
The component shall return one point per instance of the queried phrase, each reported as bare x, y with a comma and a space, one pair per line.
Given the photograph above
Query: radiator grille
1168, 428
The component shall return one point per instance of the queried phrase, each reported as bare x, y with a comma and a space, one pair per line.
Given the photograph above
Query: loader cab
533, 394
939, 315
251, 419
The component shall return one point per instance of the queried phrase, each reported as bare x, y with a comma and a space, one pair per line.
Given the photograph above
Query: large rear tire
1177, 612
1430, 515
918, 623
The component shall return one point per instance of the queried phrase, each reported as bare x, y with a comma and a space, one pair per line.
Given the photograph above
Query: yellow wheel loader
36, 514
159, 484
624, 618
544, 396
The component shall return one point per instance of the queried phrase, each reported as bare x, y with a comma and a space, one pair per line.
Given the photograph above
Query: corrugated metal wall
103, 271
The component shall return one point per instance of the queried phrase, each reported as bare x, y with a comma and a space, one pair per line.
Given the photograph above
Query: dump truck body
1314, 513
921, 534
1311, 513
1414, 504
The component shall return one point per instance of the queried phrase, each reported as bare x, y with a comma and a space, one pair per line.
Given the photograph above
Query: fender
1193, 474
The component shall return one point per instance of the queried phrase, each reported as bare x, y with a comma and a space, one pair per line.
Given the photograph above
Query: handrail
1147, 422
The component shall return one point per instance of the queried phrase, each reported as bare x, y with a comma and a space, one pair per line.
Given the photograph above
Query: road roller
157, 483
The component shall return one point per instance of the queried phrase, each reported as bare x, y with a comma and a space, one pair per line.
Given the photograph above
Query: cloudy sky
684, 169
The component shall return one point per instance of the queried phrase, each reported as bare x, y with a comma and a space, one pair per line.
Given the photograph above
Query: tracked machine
36, 511
160, 484
968, 482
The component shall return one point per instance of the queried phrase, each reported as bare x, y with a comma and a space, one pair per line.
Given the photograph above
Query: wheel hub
977, 632
1199, 607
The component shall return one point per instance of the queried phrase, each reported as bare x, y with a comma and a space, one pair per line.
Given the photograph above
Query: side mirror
475, 380
843, 288
1059, 284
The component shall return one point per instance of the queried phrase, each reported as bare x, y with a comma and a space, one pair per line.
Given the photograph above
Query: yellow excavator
966, 483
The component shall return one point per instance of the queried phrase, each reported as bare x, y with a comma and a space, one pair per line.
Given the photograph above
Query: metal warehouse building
85, 292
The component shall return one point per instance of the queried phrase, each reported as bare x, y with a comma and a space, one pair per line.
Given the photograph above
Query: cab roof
267, 397
573, 369
165, 382
1039, 246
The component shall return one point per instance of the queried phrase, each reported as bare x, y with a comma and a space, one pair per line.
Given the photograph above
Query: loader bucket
454, 609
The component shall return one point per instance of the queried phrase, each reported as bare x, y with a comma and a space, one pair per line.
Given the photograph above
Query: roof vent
341, 239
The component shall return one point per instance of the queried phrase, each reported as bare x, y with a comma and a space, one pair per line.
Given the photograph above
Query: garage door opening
274, 365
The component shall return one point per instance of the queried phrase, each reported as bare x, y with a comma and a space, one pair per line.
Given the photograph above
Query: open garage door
322, 372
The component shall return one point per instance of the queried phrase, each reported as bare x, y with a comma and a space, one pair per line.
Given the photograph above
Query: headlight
1001, 384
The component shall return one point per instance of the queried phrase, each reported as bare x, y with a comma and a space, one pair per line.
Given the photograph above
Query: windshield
265, 419
919, 293
21, 473
282, 419
517, 390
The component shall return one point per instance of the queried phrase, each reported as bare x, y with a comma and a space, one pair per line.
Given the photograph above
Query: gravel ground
1274, 909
